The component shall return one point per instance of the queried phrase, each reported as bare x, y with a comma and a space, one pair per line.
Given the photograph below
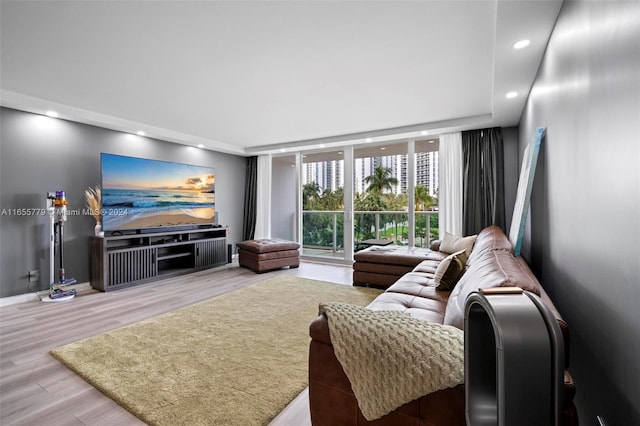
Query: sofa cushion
454, 243
419, 284
493, 269
418, 307
393, 255
428, 266
490, 238
267, 245
450, 270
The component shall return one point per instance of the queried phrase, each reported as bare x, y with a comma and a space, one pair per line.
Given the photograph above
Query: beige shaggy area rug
236, 359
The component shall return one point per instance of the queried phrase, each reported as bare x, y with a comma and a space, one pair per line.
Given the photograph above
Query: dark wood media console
126, 260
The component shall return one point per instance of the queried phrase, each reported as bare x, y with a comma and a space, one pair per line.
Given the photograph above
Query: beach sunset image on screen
141, 193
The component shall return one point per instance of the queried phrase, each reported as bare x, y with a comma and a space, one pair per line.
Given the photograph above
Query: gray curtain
483, 180
251, 189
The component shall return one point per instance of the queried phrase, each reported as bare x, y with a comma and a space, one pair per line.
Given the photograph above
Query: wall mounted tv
139, 194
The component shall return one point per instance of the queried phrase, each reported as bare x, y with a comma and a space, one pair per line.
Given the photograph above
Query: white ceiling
255, 76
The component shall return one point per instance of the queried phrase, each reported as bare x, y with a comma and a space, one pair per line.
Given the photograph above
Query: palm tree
372, 203
310, 195
396, 202
422, 198
381, 180
337, 198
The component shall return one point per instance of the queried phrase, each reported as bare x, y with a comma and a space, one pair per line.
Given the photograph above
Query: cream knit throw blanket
391, 358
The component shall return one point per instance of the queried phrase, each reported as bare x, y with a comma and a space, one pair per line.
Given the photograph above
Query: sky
130, 172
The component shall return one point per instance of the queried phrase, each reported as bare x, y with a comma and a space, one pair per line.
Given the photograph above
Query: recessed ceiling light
283, 150
512, 95
431, 141
321, 145
339, 152
52, 114
200, 145
383, 148
521, 44
424, 133
140, 133
368, 140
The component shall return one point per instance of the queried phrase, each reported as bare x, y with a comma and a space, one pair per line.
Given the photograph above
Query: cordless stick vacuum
57, 209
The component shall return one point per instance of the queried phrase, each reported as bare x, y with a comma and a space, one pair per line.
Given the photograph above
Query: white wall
283, 197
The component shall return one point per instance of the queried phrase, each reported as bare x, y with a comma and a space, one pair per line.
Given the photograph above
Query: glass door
382, 186
323, 206
426, 191
380, 195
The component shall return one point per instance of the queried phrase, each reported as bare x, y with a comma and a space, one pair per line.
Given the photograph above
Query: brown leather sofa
490, 264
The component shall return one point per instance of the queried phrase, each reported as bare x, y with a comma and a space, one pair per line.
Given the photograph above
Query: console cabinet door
211, 252
127, 266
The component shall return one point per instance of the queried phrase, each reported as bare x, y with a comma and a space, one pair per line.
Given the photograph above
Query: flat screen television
139, 193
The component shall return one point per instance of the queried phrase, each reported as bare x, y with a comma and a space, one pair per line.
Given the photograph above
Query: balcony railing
323, 231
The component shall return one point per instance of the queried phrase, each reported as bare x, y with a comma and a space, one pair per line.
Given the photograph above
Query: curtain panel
263, 198
483, 180
251, 188
450, 185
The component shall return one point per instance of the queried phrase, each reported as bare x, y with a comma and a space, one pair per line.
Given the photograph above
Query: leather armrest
435, 245
319, 330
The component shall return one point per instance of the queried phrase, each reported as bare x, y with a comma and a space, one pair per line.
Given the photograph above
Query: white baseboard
34, 297
20, 298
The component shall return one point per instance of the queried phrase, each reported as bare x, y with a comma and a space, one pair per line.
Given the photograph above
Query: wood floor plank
102, 411
35, 389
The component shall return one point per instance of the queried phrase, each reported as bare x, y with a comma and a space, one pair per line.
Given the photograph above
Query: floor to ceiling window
381, 193
392, 195
323, 181
379, 187
426, 192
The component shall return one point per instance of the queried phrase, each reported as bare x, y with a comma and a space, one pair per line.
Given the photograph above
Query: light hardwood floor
35, 389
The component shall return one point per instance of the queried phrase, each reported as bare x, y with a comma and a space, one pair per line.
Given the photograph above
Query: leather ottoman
268, 254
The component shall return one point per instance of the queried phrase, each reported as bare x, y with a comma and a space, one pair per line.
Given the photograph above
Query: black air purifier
513, 360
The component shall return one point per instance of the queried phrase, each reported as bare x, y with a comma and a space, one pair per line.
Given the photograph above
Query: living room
585, 91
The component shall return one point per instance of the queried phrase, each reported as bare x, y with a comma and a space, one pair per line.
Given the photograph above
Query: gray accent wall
39, 154
583, 236
511, 172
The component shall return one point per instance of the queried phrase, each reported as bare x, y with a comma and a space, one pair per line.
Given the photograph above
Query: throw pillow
454, 243
450, 270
